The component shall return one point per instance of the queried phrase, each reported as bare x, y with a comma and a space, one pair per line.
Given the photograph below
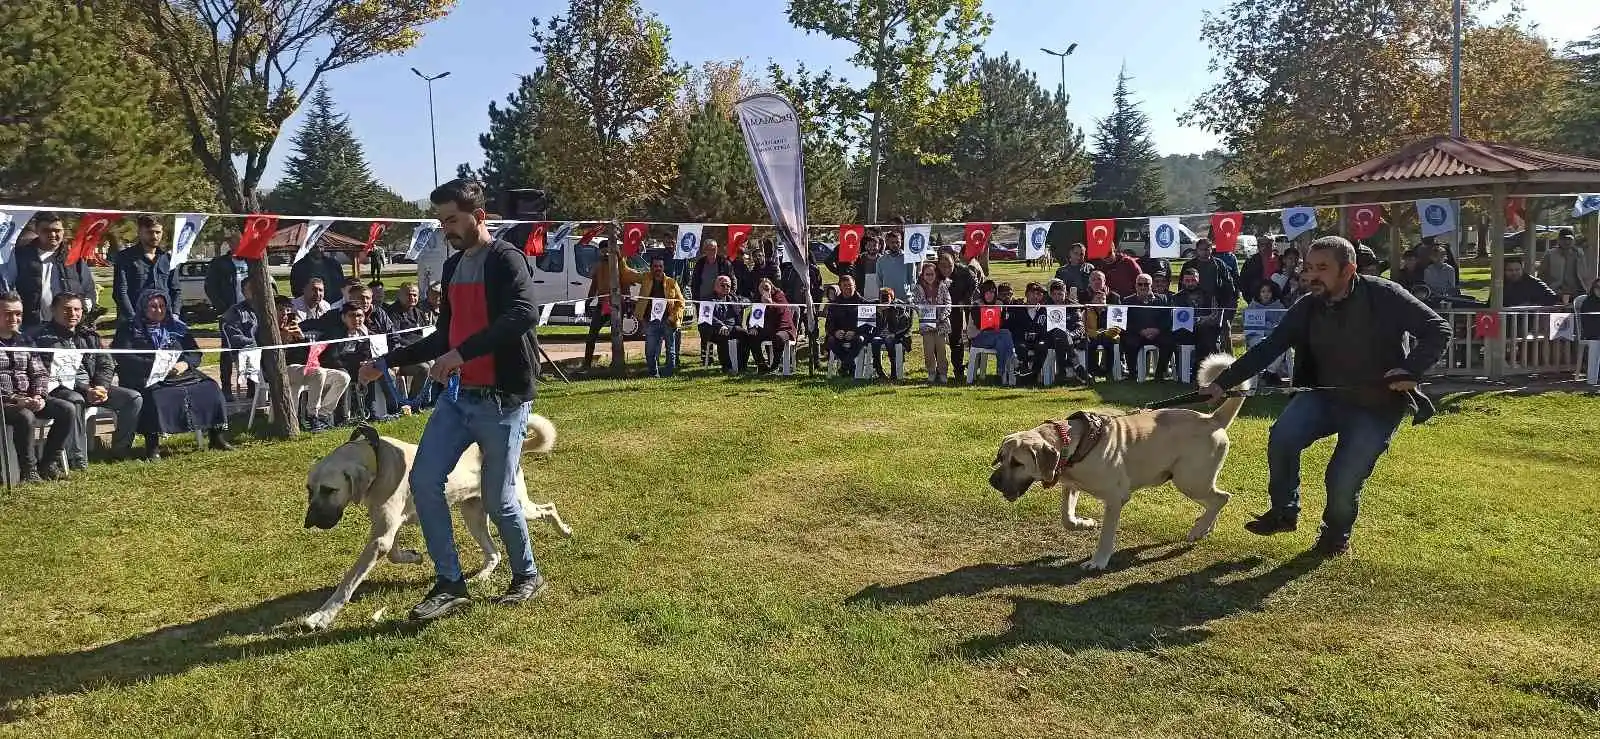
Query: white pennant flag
544, 313
1034, 236
758, 316
1298, 220
496, 229
1182, 319
1117, 317
12, 221
1585, 205
379, 344
64, 368
422, 238
163, 363
1561, 326
1437, 216
688, 241
867, 313
315, 228
708, 312
918, 242
185, 231
658, 308
250, 365
1056, 318
1164, 241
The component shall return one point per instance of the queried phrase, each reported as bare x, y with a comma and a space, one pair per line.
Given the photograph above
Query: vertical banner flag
1437, 216
1365, 222
849, 244
1561, 326
544, 313
633, 238
738, 236
1516, 211
185, 231
421, 238
918, 240
374, 232
379, 344
1298, 220
90, 229
658, 308
163, 364
688, 241
12, 221
1100, 236
988, 318
1585, 205
1117, 317
977, 240
708, 312
533, 246
867, 313
758, 316
1182, 319
258, 230
64, 366
1225, 229
315, 228
1056, 318
250, 365
1034, 236
772, 138
498, 228
1164, 241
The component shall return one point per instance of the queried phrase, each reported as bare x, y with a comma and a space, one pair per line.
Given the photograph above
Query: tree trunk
874, 146
618, 361
282, 423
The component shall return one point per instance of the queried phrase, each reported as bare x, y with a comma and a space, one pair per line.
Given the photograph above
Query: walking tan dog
1109, 457
374, 470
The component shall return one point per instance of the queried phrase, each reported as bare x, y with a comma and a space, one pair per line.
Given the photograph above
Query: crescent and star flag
977, 240
1486, 325
758, 316
374, 232
315, 228
1034, 236
12, 220
918, 242
1365, 222
1056, 318
1269, 262
258, 230
1516, 211
688, 241
1298, 220
422, 237
1225, 229
1585, 205
589, 233
988, 318
1437, 216
534, 245
633, 238
1117, 317
91, 228
738, 236
772, 139
849, 243
1164, 241
1100, 236
1182, 319
185, 231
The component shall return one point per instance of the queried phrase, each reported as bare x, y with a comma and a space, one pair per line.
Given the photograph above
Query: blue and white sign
315, 228
12, 220
917, 242
1586, 204
1182, 319
1299, 220
1117, 317
688, 241
497, 229
1033, 244
1164, 240
1056, 318
758, 316
422, 237
185, 231
1437, 215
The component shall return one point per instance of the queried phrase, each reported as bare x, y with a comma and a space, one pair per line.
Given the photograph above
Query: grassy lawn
793, 558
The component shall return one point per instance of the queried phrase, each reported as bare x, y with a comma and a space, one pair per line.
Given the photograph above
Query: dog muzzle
321, 519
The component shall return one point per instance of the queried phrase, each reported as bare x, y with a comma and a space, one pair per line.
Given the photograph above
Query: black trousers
1133, 343
20, 420
1206, 340
958, 337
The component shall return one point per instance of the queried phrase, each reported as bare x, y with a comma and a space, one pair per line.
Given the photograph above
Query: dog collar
1094, 430
1065, 432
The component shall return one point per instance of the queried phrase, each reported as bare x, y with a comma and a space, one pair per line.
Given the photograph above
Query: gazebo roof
1451, 166
291, 236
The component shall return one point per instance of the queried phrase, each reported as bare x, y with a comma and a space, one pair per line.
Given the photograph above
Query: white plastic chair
977, 356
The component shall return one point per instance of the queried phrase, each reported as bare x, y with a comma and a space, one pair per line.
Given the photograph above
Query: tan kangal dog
1110, 456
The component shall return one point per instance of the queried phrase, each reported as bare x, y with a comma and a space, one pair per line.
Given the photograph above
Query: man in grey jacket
1348, 333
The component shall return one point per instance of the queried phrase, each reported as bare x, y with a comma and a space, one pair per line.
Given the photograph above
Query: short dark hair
1343, 251
1514, 258
47, 216
349, 308
376, 284
148, 221
464, 193
281, 301
61, 299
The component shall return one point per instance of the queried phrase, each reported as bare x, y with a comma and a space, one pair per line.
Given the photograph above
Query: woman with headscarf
183, 399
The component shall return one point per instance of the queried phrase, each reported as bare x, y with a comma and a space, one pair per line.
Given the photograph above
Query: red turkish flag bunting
977, 237
1486, 325
988, 318
534, 246
1365, 222
738, 236
1269, 262
633, 238
91, 228
1099, 237
1225, 229
850, 243
590, 233
374, 232
258, 230
1516, 211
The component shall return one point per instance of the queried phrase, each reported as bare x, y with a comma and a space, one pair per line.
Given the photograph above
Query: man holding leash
482, 354
1348, 334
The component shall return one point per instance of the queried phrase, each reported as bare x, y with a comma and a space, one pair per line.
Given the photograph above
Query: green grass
794, 558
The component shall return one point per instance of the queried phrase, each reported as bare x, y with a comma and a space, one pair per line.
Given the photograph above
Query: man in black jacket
316, 263
93, 384
1149, 324
39, 272
225, 289
483, 353
143, 266
1349, 333
409, 316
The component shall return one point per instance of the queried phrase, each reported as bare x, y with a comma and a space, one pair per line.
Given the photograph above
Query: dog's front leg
323, 617
1069, 511
1108, 534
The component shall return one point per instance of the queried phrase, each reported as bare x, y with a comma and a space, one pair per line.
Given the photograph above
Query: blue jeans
1364, 435
1002, 344
657, 333
498, 429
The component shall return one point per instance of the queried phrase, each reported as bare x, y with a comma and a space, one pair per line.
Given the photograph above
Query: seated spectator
238, 326
1067, 341
997, 339
24, 377
1150, 324
1100, 338
92, 382
727, 323
183, 399
1026, 324
1206, 338
374, 398
1287, 278
324, 386
346, 291
409, 317
893, 327
1272, 307
779, 326
1522, 288
1367, 263
376, 288
310, 305
931, 297
845, 337
664, 331
1438, 275
435, 298
1120, 270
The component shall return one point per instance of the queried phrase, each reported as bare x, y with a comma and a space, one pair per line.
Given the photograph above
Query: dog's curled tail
540, 436
1211, 368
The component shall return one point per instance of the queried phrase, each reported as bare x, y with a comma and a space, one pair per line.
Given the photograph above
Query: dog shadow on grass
1052, 571
176, 649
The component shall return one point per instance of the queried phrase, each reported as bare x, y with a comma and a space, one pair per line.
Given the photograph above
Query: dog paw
405, 556
318, 621
1095, 565
486, 571
1080, 524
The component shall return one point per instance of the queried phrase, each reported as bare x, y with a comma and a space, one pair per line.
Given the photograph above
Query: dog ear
365, 432
1046, 457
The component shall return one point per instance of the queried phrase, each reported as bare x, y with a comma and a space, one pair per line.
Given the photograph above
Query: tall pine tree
328, 173
1125, 163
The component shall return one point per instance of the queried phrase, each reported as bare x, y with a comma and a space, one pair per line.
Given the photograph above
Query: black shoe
78, 465
30, 474
522, 589
218, 443
52, 471
445, 598
1331, 546
1272, 522
152, 453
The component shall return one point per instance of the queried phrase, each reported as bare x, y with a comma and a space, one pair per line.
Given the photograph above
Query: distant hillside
1189, 179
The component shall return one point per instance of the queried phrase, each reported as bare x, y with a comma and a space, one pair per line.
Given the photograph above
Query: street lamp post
1062, 55
433, 138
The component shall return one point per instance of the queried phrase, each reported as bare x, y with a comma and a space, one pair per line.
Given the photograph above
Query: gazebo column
1592, 245
1344, 214
1495, 349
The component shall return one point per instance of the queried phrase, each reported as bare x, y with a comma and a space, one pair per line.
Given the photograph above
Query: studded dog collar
1094, 425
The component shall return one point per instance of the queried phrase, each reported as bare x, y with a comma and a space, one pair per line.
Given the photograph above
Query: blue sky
484, 44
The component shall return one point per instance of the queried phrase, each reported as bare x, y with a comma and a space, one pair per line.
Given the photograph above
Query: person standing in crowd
931, 297
963, 283
713, 263
142, 268
1074, 273
224, 286
1120, 269
1525, 289
891, 268
93, 380
376, 259
1217, 279
664, 332
1566, 267
23, 380
483, 338
38, 272
316, 263
1350, 332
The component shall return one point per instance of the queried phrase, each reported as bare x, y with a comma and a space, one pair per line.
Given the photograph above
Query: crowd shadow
1050, 571
176, 649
